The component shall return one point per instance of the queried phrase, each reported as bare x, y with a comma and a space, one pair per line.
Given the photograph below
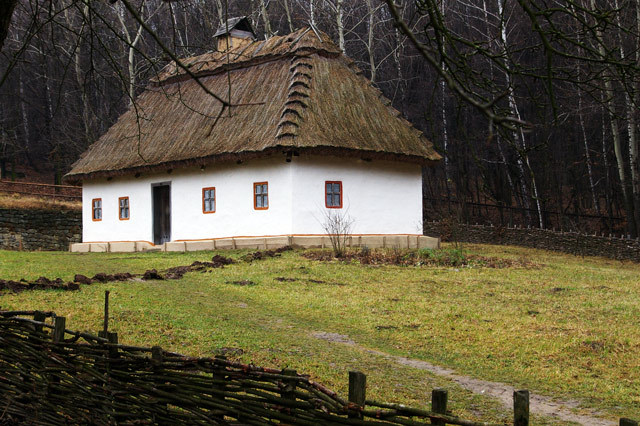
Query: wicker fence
52, 375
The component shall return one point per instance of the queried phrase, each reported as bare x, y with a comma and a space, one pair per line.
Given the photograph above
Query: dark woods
532, 104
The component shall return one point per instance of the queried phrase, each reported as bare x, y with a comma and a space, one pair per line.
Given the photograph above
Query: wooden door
161, 214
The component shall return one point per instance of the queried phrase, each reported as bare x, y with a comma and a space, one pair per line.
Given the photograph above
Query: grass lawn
569, 328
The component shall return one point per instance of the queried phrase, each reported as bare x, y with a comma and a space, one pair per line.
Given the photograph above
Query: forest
533, 104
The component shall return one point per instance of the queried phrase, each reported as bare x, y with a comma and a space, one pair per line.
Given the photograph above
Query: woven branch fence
50, 375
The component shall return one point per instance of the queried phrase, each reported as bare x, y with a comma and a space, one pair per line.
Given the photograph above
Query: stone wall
39, 229
568, 242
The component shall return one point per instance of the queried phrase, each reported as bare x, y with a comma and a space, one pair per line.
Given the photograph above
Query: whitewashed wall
381, 197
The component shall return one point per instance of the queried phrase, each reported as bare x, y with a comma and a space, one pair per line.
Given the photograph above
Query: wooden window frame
93, 210
120, 208
339, 182
255, 196
210, 188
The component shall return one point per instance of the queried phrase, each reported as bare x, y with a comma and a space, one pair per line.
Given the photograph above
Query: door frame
154, 185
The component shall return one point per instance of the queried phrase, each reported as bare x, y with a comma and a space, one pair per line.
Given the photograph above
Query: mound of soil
41, 283
177, 272
263, 254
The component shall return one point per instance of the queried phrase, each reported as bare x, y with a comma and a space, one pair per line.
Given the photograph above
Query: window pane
336, 200
265, 202
329, 201
328, 188
213, 205
207, 193
336, 188
258, 189
264, 189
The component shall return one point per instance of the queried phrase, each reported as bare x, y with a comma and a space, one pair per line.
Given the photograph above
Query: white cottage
307, 136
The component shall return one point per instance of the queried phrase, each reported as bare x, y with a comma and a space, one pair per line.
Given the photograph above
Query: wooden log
357, 392
628, 422
439, 399
521, 408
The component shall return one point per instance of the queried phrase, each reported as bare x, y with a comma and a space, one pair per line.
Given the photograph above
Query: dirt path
541, 405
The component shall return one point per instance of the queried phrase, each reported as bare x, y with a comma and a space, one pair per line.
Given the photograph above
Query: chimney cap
240, 23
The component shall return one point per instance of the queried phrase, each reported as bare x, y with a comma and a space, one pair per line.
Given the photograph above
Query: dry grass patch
18, 201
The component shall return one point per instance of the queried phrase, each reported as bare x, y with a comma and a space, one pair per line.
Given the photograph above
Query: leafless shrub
337, 225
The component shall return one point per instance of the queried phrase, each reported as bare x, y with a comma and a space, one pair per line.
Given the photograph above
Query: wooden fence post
357, 391
40, 317
58, 330
113, 339
57, 337
439, 404
628, 422
521, 408
112, 354
219, 376
156, 359
290, 385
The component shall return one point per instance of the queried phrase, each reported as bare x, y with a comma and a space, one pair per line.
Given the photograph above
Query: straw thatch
293, 94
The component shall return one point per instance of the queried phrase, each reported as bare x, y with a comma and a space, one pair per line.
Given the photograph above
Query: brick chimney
236, 32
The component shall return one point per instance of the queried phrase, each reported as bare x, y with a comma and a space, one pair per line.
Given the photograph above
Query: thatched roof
294, 94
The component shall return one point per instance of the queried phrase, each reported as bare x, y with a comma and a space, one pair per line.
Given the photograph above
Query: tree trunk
288, 13
312, 12
340, 24
443, 115
615, 133
518, 136
370, 47
6, 12
265, 18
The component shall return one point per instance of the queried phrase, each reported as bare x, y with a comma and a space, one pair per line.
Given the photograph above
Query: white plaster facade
382, 198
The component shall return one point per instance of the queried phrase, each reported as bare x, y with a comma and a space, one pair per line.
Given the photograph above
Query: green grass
568, 328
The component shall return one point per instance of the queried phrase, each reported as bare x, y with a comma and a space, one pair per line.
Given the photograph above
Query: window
123, 202
208, 200
261, 195
96, 209
333, 194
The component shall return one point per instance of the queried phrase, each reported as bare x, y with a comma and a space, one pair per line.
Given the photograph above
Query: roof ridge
298, 43
297, 98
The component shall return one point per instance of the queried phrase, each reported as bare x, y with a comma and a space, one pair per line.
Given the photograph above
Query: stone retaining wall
39, 229
568, 242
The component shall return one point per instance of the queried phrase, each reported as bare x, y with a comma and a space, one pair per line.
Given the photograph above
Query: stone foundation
261, 243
